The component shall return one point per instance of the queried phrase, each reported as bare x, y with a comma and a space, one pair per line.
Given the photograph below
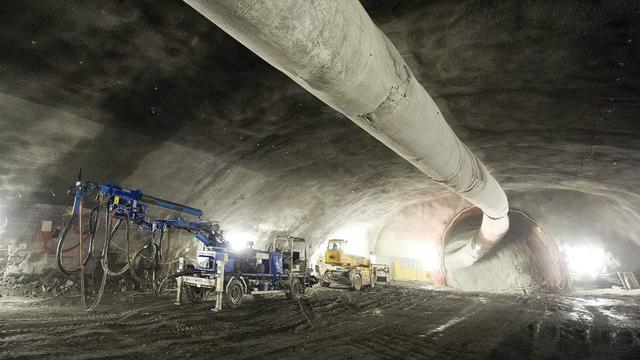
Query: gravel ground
384, 323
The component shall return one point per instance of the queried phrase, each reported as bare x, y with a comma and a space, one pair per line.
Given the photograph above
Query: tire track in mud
385, 323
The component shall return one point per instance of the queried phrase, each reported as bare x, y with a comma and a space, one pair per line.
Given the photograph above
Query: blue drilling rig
282, 268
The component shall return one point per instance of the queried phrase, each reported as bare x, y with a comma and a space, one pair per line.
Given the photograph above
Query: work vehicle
280, 269
382, 274
345, 270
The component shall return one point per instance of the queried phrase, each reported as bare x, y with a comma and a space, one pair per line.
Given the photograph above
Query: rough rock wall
26, 250
153, 96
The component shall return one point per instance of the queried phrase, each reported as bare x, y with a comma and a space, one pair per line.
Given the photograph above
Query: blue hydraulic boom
133, 204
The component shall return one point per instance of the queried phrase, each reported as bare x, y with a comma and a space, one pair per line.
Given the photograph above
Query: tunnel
374, 179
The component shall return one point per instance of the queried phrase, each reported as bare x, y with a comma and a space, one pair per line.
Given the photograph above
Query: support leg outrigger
179, 281
220, 287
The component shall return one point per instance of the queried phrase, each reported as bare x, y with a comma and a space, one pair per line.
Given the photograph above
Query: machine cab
208, 259
293, 250
335, 248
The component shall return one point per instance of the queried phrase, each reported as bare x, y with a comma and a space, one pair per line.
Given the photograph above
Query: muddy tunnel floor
384, 323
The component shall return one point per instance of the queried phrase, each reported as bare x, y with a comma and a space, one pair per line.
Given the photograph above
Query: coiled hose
107, 244
60, 250
102, 256
110, 230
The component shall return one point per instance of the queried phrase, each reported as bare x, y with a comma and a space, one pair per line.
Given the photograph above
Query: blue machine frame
133, 204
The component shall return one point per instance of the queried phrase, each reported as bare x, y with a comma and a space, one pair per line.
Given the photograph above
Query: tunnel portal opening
526, 260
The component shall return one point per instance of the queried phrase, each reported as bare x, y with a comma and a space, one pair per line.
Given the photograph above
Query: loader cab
335, 248
336, 244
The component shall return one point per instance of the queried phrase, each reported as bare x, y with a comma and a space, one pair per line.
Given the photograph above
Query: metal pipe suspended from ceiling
333, 49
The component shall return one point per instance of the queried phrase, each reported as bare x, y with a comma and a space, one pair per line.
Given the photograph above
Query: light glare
427, 253
585, 260
238, 239
356, 236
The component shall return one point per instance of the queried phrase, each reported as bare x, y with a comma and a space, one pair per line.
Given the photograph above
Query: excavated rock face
153, 96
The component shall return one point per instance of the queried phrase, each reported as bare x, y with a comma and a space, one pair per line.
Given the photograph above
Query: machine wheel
295, 290
357, 282
234, 292
195, 294
324, 279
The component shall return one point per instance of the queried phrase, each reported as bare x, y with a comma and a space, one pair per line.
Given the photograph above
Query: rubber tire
356, 283
195, 294
295, 289
234, 293
323, 279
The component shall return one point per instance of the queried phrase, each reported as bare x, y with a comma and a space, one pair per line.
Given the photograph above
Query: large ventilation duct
333, 49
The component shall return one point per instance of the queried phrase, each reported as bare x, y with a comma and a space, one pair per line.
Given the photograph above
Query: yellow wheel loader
344, 270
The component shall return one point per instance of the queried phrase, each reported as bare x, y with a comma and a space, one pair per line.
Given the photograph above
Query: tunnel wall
123, 91
245, 199
404, 269
26, 251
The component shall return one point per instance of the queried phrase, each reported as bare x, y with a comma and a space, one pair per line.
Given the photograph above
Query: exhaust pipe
333, 49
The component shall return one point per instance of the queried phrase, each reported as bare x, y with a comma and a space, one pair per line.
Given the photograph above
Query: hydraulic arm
133, 204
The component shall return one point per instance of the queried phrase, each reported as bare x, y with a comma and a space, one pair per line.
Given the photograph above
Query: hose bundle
112, 221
